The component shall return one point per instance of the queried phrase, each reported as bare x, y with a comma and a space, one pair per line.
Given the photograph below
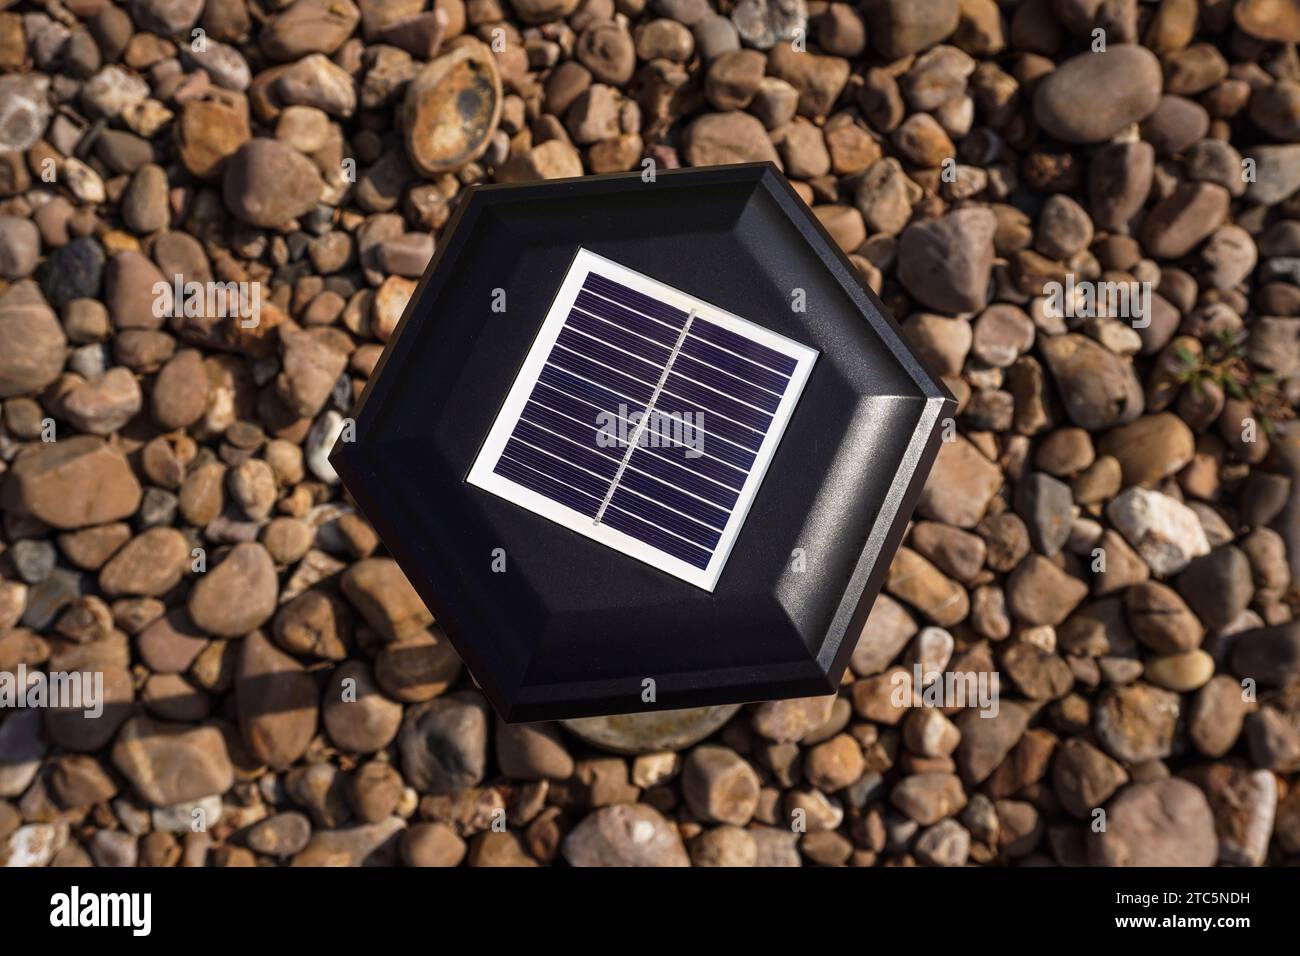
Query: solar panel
643, 418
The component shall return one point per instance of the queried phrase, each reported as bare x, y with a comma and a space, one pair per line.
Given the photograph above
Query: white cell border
482, 476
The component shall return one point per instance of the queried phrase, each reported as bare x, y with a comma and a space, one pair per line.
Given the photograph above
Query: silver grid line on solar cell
645, 418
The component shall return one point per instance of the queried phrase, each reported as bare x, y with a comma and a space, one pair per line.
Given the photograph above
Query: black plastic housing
573, 628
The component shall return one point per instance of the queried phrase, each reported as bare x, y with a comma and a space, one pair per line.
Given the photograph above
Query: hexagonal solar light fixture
644, 443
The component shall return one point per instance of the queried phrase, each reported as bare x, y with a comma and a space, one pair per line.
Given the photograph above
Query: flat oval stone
24, 110
645, 733
417, 668
20, 245
281, 835
1098, 388
309, 26
358, 717
171, 763
717, 139
149, 565
72, 483
1180, 672
277, 702
21, 751
1149, 448
1274, 21
945, 263
540, 11
1157, 823
171, 643
380, 591
238, 595
443, 743
89, 725
166, 17
1180, 221
267, 184
630, 834
452, 108
32, 344
1091, 97
1271, 655
432, 844
899, 28
371, 844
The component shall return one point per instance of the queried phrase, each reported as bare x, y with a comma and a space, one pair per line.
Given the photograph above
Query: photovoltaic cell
643, 418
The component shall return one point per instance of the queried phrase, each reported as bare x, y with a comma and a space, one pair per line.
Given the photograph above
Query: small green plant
1224, 362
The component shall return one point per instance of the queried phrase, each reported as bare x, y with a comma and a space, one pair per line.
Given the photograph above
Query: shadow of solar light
643, 446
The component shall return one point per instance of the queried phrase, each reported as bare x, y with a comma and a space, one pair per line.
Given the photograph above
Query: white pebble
83, 181
33, 845
320, 442
1166, 533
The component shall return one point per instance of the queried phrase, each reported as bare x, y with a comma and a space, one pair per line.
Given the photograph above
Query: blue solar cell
645, 419
728, 384
563, 450
722, 461
657, 537
638, 301
666, 518
725, 338
620, 337
601, 397
553, 488
679, 500
579, 409
609, 357
742, 368
717, 403
720, 493
570, 430
601, 375
625, 318
713, 424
